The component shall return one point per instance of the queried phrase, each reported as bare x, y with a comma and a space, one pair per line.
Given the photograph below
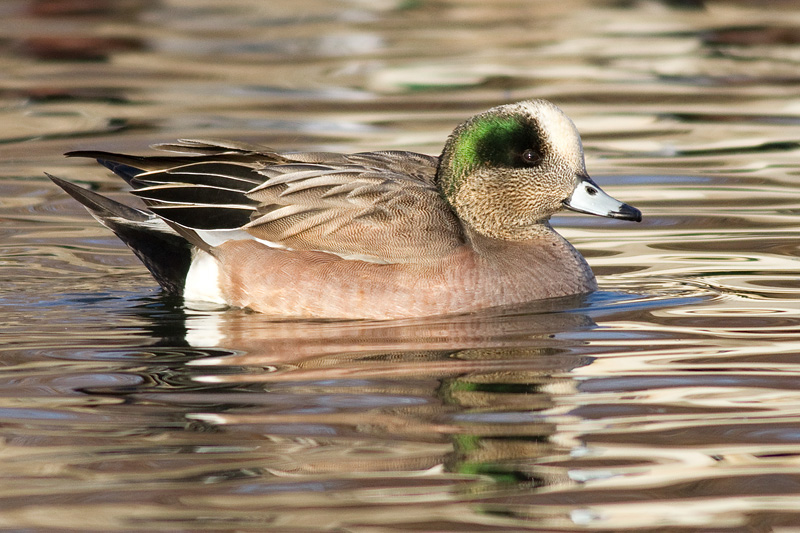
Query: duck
370, 235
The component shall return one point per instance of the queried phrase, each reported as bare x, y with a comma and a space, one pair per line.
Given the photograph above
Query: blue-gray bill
589, 198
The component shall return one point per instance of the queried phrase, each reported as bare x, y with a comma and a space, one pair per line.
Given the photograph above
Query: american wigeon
367, 235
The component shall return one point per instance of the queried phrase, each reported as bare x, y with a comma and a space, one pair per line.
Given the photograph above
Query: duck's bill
589, 198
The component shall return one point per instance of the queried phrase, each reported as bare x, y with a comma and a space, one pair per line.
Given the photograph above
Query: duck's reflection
461, 393
264, 340
412, 421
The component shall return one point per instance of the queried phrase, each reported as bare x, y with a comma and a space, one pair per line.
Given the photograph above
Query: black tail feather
99, 205
166, 254
126, 172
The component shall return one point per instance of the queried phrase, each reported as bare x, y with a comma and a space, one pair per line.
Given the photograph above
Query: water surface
669, 400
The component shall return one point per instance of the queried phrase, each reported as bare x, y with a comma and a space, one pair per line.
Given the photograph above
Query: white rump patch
202, 283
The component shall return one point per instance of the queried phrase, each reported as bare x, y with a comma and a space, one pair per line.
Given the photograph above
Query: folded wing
375, 206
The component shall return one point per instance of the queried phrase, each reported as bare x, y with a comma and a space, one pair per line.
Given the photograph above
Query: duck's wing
376, 206
201, 195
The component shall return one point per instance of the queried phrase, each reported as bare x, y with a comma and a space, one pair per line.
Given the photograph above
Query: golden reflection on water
667, 401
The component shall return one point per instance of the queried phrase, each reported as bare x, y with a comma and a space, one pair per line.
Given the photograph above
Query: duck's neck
544, 259
529, 232
535, 235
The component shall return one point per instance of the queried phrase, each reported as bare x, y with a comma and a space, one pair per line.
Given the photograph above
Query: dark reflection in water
665, 402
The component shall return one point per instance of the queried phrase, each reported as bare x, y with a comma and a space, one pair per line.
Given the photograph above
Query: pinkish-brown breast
318, 284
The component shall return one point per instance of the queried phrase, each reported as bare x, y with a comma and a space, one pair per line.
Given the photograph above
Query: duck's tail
165, 253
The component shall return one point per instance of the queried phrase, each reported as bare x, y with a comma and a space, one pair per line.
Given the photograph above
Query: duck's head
507, 170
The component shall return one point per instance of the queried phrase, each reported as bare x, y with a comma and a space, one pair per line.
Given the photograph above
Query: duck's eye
531, 157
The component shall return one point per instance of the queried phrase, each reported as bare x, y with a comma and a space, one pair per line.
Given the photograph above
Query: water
669, 400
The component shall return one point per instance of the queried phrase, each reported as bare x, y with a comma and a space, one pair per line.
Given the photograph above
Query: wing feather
368, 206
378, 206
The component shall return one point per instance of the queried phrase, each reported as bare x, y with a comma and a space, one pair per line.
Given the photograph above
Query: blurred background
666, 401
